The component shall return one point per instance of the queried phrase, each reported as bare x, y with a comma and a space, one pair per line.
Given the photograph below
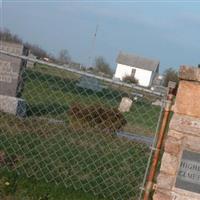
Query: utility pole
93, 46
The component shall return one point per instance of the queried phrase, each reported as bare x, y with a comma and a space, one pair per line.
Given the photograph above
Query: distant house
142, 69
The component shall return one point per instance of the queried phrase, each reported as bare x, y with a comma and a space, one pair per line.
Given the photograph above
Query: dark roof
137, 61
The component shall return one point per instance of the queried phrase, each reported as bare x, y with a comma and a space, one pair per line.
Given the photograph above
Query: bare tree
6, 35
36, 50
170, 74
64, 57
102, 66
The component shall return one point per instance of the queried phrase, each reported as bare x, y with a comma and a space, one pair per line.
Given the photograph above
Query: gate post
179, 175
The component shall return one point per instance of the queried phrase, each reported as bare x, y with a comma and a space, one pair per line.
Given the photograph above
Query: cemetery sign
188, 177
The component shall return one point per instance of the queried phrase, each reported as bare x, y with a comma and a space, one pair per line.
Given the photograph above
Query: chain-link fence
81, 131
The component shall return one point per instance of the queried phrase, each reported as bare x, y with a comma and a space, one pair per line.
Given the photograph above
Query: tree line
100, 65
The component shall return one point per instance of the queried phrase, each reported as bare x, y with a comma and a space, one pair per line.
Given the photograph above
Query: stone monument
31, 64
11, 81
179, 176
90, 83
125, 104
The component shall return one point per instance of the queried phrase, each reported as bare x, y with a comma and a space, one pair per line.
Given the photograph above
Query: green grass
50, 92
89, 161
87, 164
20, 187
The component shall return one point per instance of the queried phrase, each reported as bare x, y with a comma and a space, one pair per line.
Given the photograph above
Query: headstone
30, 64
125, 104
157, 102
11, 81
158, 80
172, 84
188, 177
90, 83
137, 96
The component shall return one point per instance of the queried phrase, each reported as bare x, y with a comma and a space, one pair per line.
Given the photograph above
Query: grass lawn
85, 164
91, 161
50, 92
20, 188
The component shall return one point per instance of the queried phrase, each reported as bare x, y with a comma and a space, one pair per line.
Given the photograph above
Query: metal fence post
161, 134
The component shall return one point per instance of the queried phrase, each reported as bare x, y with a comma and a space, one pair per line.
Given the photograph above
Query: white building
142, 69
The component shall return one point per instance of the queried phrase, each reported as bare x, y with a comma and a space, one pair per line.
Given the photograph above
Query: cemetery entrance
81, 131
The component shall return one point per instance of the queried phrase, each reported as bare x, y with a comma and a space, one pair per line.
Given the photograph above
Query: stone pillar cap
189, 73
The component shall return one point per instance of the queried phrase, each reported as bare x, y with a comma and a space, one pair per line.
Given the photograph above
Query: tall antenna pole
93, 46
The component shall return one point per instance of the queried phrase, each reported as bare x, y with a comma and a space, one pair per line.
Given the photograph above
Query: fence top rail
84, 73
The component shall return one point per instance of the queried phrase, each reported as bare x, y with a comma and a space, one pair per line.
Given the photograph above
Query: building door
133, 72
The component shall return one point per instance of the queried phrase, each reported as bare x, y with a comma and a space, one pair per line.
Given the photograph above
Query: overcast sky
166, 31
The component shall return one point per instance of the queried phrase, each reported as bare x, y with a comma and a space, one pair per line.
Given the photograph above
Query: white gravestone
125, 104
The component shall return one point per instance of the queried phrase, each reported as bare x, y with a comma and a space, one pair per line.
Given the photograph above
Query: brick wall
179, 176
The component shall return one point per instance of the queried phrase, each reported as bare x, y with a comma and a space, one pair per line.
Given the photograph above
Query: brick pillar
179, 175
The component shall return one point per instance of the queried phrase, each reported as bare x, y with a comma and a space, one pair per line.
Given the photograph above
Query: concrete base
13, 105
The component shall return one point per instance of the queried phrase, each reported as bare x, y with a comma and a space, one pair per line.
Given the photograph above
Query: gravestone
125, 105
179, 176
31, 64
157, 102
90, 83
11, 81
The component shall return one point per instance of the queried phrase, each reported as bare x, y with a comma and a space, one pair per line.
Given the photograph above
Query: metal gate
83, 131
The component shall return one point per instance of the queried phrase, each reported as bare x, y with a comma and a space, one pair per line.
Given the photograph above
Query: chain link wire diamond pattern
74, 134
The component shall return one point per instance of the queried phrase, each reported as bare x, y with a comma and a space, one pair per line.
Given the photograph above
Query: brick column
179, 175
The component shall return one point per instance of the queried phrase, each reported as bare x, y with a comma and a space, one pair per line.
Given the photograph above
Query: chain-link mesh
82, 132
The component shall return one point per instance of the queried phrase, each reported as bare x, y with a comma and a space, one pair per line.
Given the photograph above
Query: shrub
101, 66
130, 79
97, 116
170, 74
